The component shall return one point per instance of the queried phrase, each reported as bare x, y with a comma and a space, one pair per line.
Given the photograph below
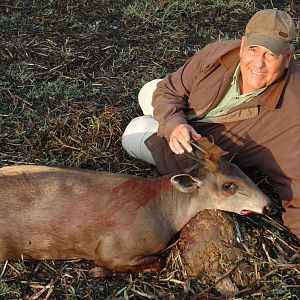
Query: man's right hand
180, 137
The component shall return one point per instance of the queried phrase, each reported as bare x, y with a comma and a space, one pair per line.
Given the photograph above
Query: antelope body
122, 222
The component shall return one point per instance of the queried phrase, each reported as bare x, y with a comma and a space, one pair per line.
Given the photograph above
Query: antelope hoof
100, 272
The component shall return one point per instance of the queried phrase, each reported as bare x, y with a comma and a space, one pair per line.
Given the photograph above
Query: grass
69, 78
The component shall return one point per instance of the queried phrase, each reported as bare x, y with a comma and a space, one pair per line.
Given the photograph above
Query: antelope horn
199, 148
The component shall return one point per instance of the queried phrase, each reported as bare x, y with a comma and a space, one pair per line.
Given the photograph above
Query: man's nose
259, 61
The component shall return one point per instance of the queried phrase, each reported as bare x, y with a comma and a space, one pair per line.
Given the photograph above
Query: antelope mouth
246, 211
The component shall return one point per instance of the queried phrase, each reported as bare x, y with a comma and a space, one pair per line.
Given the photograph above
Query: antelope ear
185, 183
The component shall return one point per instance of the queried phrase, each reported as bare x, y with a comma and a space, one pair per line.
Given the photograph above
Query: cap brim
275, 45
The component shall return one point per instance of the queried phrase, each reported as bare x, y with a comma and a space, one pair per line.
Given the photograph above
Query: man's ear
185, 183
243, 44
289, 57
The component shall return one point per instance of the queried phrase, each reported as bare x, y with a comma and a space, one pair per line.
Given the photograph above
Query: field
70, 73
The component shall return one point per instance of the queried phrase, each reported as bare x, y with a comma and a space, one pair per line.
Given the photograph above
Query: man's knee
135, 134
145, 97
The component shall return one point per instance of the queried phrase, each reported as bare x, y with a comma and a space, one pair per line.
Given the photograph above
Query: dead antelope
122, 222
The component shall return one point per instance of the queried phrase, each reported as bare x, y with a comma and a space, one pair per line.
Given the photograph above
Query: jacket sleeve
170, 99
284, 142
288, 184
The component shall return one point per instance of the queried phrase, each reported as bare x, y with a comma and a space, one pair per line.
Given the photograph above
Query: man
243, 95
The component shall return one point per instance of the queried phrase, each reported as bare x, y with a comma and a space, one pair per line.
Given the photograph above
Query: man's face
260, 67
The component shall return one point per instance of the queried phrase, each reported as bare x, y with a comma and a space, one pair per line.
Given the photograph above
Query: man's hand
180, 137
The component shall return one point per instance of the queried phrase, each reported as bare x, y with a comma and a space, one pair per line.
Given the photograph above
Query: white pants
140, 128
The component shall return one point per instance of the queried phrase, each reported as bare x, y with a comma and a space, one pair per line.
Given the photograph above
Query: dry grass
69, 77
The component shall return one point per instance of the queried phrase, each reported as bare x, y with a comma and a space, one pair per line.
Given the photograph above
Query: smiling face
260, 67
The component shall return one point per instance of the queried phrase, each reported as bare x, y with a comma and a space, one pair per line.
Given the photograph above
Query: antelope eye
229, 187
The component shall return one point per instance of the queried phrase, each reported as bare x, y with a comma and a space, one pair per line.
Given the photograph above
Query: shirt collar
236, 75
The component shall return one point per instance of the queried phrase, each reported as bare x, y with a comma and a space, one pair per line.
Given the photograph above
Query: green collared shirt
233, 97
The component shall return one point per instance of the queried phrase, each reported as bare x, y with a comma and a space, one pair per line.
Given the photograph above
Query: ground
69, 78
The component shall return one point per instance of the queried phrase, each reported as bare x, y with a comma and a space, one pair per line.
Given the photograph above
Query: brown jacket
264, 132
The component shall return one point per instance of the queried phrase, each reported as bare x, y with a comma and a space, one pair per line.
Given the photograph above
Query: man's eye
272, 56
